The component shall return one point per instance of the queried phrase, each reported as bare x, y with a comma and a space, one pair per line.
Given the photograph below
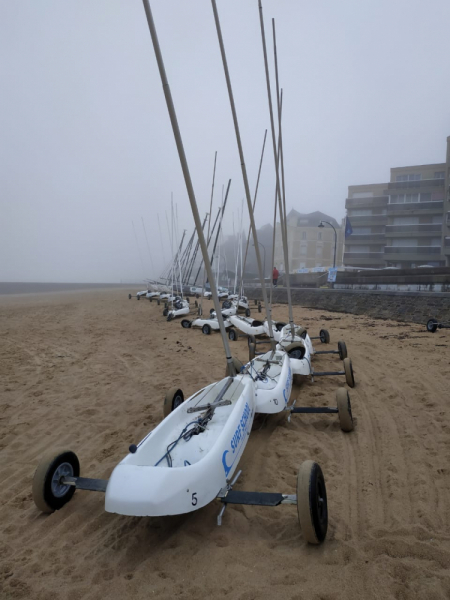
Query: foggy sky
86, 145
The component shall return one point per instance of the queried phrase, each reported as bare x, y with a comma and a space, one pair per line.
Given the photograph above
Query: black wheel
166, 304
173, 399
206, 329
186, 324
348, 368
129, 296
158, 302
211, 310
251, 351
196, 304
138, 297
312, 505
165, 312
170, 316
197, 296
49, 494
150, 299
344, 409
324, 336
232, 335
247, 312
251, 340
259, 308
432, 325
298, 352
256, 302
342, 347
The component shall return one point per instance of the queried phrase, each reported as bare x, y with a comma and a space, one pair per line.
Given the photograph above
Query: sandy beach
88, 371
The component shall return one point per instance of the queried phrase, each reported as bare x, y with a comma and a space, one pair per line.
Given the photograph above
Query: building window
303, 248
362, 230
359, 212
361, 249
407, 242
425, 197
319, 252
412, 177
303, 235
439, 175
437, 196
319, 235
407, 220
302, 265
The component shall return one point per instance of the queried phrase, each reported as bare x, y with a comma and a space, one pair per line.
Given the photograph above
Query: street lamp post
321, 224
264, 268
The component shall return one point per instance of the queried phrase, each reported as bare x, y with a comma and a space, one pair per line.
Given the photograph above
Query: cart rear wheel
129, 296
158, 302
170, 316
432, 325
206, 329
196, 304
232, 335
256, 302
186, 324
324, 335
174, 398
344, 409
312, 506
165, 312
342, 348
348, 368
138, 297
259, 307
247, 312
49, 494
251, 351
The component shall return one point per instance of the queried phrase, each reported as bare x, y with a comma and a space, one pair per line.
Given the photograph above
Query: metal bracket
86, 483
223, 494
207, 406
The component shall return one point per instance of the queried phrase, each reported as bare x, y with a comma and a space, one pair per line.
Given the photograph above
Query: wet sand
88, 371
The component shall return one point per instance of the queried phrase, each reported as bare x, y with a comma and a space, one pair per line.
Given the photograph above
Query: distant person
275, 275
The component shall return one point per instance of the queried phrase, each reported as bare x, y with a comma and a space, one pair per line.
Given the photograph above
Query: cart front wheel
232, 335
247, 312
348, 368
206, 329
174, 398
312, 506
432, 325
344, 410
324, 335
49, 493
342, 349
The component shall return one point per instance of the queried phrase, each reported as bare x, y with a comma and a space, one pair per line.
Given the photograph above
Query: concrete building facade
308, 245
403, 223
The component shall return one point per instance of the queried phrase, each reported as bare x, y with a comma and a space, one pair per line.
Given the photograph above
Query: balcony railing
348, 256
413, 228
412, 250
367, 238
369, 219
447, 242
422, 183
434, 205
371, 201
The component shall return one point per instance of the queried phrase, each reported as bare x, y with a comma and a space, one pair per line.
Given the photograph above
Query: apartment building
402, 223
308, 245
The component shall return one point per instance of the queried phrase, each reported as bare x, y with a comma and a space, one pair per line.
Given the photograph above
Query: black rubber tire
43, 495
312, 508
324, 336
344, 409
196, 304
211, 310
247, 312
169, 316
256, 302
259, 308
206, 329
349, 376
342, 347
150, 299
432, 325
197, 296
166, 304
129, 296
173, 399
138, 297
186, 324
232, 335
237, 366
165, 312
251, 351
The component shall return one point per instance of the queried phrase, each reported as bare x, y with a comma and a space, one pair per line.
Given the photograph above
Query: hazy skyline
86, 142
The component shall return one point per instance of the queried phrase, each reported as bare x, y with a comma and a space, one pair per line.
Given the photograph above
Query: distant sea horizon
36, 287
